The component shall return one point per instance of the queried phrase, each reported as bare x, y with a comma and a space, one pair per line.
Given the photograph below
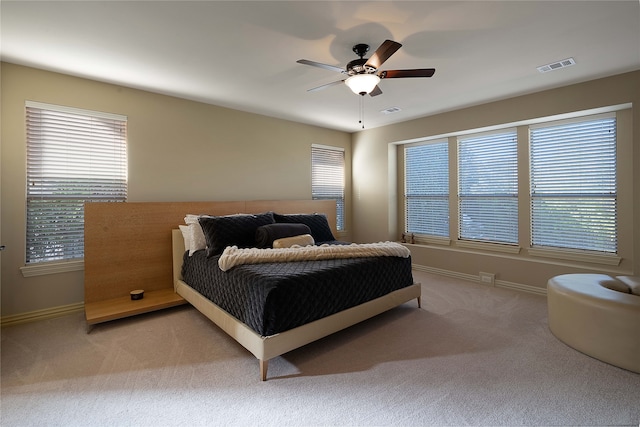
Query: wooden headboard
127, 246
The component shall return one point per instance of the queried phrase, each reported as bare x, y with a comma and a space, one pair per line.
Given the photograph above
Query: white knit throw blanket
233, 256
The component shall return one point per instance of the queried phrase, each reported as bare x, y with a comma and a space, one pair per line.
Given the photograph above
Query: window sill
493, 247
567, 257
570, 255
45, 268
431, 240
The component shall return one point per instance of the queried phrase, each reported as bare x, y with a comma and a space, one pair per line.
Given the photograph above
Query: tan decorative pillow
287, 242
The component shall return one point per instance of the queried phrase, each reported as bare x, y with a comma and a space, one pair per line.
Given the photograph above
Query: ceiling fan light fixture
362, 84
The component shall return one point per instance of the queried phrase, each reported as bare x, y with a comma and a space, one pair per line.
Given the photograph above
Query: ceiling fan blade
384, 52
320, 65
398, 74
376, 91
325, 86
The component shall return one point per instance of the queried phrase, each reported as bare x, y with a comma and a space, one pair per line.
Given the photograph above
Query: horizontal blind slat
72, 157
574, 186
327, 178
488, 187
427, 189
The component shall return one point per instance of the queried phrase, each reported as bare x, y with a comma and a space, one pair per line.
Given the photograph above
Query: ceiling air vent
556, 65
391, 110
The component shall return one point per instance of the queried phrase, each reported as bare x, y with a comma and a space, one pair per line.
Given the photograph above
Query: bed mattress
272, 298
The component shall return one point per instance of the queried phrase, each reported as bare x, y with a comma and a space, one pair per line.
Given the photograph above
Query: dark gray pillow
232, 230
317, 223
266, 234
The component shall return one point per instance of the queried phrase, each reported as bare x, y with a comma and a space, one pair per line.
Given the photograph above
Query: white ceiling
242, 54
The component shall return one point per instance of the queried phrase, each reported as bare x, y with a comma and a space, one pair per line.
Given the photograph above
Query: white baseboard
47, 313
520, 287
473, 278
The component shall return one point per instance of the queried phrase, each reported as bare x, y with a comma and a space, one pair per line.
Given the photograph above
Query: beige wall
178, 150
181, 150
376, 179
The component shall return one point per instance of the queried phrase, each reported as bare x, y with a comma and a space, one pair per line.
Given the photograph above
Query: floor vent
557, 65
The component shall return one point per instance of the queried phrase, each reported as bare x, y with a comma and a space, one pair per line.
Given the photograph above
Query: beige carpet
473, 355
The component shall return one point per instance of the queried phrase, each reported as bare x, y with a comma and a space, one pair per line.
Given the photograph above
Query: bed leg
264, 365
419, 302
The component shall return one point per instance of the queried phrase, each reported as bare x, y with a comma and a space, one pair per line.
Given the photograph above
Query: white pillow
186, 235
633, 282
196, 236
287, 242
191, 219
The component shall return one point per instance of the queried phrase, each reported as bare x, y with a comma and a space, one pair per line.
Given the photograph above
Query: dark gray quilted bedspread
275, 297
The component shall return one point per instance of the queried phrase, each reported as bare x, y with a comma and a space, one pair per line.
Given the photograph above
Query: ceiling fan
363, 75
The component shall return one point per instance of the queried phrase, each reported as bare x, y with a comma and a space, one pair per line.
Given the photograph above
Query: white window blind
427, 189
327, 178
488, 187
573, 185
73, 156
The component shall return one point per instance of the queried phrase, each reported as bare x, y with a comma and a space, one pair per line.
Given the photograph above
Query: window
426, 198
73, 156
573, 185
327, 178
488, 187
553, 190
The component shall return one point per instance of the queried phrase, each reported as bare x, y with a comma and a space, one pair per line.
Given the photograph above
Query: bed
272, 306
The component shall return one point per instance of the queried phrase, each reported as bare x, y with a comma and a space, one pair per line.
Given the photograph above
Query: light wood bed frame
148, 231
265, 348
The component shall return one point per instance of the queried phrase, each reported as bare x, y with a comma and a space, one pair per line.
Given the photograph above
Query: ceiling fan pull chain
361, 121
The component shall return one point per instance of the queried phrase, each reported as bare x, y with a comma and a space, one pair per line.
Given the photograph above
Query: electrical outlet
487, 278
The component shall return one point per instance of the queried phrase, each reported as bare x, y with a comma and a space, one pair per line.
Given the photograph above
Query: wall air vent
391, 110
557, 65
